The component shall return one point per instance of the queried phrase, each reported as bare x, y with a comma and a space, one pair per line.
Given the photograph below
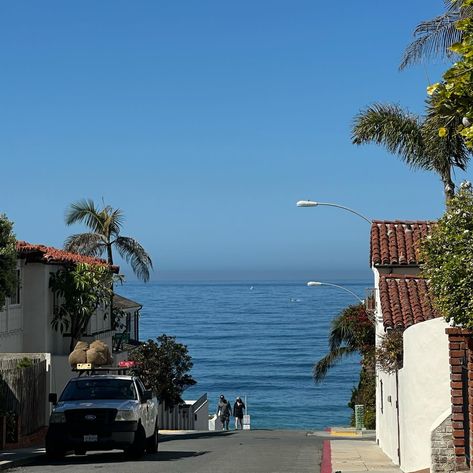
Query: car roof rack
90, 369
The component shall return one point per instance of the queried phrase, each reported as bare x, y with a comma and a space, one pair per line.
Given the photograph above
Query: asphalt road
254, 451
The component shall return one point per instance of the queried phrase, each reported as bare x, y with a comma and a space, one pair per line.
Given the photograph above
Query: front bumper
70, 436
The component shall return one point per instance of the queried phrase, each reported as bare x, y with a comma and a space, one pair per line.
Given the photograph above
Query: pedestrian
224, 412
238, 409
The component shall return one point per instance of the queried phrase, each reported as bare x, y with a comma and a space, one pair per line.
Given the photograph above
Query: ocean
259, 340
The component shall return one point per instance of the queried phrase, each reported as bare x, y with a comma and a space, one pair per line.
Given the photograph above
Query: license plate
90, 438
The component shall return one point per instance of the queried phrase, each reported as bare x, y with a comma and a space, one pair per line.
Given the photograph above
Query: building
25, 322
412, 404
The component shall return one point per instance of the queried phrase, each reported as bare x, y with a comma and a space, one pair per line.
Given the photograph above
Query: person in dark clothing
238, 409
224, 411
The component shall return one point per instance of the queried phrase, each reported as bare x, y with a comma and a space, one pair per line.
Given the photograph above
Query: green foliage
365, 393
8, 257
24, 363
105, 225
453, 97
389, 353
351, 332
415, 140
164, 367
80, 290
448, 260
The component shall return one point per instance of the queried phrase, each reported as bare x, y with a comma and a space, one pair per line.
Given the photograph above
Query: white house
414, 401
25, 322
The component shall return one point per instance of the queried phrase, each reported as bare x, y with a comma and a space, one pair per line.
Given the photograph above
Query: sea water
259, 340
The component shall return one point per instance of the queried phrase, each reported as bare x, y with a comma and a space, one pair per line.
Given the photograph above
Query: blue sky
206, 121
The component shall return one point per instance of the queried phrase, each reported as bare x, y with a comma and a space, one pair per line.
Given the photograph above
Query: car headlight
57, 418
125, 416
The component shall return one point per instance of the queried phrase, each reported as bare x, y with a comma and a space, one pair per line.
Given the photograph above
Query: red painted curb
326, 466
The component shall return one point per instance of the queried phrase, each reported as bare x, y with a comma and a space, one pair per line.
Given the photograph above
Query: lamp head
314, 283
307, 203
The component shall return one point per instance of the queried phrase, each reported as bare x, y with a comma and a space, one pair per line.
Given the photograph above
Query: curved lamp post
318, 283
311, 203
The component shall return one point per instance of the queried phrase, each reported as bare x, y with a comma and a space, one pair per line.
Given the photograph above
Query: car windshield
88, 389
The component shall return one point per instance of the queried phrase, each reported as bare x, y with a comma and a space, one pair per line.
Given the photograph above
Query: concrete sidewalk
357, 454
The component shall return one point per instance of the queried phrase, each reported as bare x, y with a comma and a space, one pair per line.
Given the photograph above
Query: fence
184, 416
23, 393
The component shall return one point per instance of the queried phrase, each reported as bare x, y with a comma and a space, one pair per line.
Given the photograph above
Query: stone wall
443, 450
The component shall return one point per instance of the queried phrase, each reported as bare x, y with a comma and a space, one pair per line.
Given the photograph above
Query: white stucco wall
386, 397
36, 308
424, 390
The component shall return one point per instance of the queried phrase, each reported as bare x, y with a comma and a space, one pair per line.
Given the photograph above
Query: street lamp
311, 203
318, 283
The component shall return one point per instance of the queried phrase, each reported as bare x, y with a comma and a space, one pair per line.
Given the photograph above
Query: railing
181, 417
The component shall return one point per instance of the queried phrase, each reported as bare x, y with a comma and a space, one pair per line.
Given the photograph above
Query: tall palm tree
434, 37
415, 140
105, 225
351, 332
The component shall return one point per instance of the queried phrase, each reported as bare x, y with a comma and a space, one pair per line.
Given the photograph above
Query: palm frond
433, 39
132, 252
90, 244
392, 127
444, 152
328, 361
84, 211
115, 219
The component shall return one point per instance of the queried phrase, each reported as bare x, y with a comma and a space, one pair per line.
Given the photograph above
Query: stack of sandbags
97, 353
79, 354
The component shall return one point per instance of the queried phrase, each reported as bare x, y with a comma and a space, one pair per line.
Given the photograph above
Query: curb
326, 465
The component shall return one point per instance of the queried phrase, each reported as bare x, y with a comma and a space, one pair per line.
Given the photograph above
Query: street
255, 451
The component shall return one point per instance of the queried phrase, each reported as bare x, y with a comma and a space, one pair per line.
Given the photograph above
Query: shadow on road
197, 435
118, 457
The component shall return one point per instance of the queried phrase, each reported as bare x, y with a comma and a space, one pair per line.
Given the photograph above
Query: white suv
103, 412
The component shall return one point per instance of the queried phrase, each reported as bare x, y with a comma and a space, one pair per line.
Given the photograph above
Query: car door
146, 410
143, 407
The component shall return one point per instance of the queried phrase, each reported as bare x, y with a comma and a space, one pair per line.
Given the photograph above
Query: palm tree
415, 140
351, 332
105, 225
434, 37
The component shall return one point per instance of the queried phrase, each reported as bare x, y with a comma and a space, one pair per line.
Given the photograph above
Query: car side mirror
53, 398
147, 395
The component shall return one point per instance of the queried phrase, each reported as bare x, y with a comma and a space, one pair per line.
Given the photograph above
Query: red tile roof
50, 255
405, 301
396, 243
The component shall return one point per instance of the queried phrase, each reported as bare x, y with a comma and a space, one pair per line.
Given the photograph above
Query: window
89, 389
15, 296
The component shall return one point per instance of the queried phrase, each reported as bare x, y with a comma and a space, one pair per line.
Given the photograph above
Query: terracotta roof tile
50, 255
405, 301
397, 242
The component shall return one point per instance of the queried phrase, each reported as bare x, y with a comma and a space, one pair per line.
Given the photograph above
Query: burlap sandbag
97, 358
77, 356
81, 346
102, 347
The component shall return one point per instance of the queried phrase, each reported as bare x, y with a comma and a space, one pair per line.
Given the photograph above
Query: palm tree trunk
448, 186
110, 262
